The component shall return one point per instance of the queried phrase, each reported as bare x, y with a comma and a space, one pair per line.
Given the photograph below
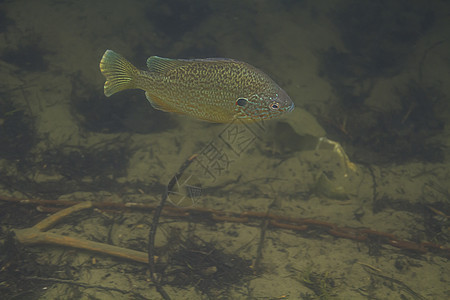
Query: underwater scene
168, 149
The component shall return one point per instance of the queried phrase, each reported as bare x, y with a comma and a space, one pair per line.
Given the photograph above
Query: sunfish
217, 90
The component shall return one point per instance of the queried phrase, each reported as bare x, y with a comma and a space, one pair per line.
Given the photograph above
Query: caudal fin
120, 74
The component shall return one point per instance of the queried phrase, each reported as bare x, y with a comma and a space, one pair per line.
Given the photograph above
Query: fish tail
120, 73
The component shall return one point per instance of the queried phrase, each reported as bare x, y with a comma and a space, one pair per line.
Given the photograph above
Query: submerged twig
259, 251
252, 218
37, 235
154, 226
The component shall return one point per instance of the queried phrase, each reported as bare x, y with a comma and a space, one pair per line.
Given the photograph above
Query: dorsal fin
162, 65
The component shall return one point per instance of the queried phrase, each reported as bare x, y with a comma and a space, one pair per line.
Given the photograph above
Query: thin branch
154, 226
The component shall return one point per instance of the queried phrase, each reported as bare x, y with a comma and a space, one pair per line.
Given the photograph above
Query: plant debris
210, 270
17, 130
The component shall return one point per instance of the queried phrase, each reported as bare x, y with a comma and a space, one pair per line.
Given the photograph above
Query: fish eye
274, 105
241, 101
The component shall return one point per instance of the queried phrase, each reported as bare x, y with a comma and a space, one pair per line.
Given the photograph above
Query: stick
154, 226
31, 236
35, 235
252, 218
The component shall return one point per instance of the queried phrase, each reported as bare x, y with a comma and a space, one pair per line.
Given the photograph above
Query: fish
218, 90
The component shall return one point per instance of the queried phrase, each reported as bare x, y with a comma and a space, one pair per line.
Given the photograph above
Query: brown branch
254, 219
36, 235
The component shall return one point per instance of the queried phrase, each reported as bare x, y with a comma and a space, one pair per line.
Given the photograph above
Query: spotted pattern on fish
212, 89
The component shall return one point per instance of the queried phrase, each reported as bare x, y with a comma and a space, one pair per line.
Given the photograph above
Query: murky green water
371, 76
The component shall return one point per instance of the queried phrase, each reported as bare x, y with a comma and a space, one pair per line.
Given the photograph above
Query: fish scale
213, 89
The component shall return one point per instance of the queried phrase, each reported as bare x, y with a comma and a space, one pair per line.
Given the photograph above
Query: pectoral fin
158, 104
